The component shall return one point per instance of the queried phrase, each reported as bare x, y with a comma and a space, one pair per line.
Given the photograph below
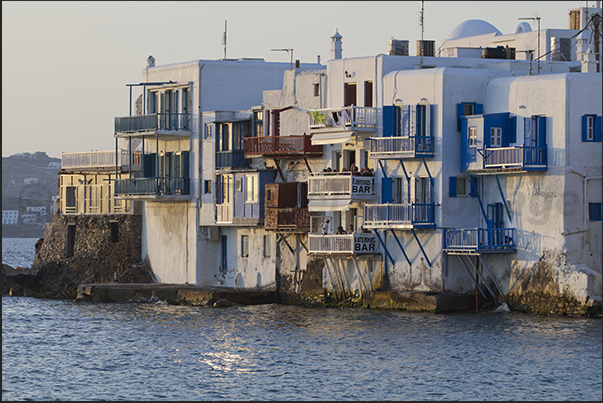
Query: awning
319, 139
329, 205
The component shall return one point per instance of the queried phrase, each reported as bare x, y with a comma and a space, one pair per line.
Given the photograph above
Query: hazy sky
65, 65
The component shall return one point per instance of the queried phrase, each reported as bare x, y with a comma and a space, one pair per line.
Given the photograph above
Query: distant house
10, 217
30, 218
53, 165
41, 210
30, 181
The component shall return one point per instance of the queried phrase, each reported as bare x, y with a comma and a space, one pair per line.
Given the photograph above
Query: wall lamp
347, 75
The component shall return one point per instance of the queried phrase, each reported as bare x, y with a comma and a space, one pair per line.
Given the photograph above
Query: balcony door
350, 94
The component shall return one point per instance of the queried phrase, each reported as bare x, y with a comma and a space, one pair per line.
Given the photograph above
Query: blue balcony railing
153, 122
396, 147
480, 239
231, 159
152, 186
525, 157
391, 215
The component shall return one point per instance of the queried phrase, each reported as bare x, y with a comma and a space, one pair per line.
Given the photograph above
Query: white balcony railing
341, 184
224, 213
347, 244
344, 118
101, 159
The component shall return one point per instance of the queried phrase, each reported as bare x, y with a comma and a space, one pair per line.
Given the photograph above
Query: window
495, 136
316, 89
114, 232
462, 186
467, 109
207, 186
251, 189
594, 211
368, 94
267, 246
244, 246
209, 131
591, 128
258, 123
268, 194
473, 136
70, 246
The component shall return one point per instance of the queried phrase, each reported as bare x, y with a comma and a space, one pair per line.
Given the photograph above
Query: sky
65, 65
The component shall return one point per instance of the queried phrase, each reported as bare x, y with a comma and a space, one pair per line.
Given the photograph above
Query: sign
365, 243
362, 186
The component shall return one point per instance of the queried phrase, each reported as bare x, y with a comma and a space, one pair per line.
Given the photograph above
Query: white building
10, 217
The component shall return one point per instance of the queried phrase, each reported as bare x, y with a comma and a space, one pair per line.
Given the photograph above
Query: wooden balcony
96, 160
402, 147
399, 216
281, 146
295, 219
349, 244
165, 123
480, 240
163, 186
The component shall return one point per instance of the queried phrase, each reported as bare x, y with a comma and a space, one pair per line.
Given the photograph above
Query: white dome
472, 28
523, 27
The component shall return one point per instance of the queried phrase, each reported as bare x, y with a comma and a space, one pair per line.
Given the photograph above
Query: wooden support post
476, 284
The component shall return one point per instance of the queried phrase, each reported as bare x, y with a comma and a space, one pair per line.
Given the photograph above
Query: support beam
344, 276
486, 284
301, 243
502, 195
382, 168
421, 246
368, 272
282, 238
334, 281
401, 248
479, 199
360, 280
493, 279
278, 167
384, 247
307, 165
471, 275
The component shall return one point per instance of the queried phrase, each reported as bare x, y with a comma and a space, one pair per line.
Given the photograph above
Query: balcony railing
341, 184
101, 159
356, 243
480, 239
231, 159
344, 118
152, 186
409, 215
526, 157
397, 147
153, 122
292, 219
224, 213
281, 146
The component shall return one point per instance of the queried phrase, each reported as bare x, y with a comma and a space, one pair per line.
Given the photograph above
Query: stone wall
96, 255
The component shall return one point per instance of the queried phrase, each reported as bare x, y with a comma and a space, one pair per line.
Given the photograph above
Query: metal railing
523, 156
413, 146
399, 214
281, 145
152, 186
347, 244
348, 117
341, 183
231, 159
101, 159
153, 122
479, 238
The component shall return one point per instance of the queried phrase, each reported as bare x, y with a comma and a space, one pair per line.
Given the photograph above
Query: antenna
538, 58
421, 23
286, 50
224, 39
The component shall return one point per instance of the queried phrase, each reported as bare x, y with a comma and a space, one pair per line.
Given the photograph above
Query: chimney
336, 45
297, 64
150, 61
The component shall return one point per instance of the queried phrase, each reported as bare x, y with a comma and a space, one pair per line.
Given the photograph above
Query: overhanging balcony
402, 147
337, 125
161, 123
524, 158
287, 219
480, 240
399, 216
281, 146
231, 159
356, 243
101, 160
154, 187
341, 185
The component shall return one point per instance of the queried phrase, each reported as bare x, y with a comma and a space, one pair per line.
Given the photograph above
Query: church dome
523, 27
472, 28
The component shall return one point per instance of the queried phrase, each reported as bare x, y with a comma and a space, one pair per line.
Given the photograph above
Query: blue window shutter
148, 165
419, 118
386, 190
487, 125
460, 111
474, 186
452, 186
388, 120
405, 120
598, 129
541, 131
512, 131
479, 109
584, 127
185, 164
594, 211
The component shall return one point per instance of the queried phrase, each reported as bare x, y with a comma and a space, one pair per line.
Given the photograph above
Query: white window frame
495, 136
590, 128
465, 183
267, 246
473, 136
209, 131
244, 246
251, 189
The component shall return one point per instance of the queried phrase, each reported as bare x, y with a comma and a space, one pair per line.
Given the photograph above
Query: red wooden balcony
294, 219
281, 146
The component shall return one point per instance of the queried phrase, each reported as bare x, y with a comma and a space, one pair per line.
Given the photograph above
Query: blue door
224, 264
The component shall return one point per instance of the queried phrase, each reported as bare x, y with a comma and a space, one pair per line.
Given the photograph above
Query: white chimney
150, 61
336, 45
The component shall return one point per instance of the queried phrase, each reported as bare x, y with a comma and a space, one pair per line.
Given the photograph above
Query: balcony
399, 216
402, 147
281, 146
356, 243
165, 123
224, 213
163, 186
231, 159
525, 158
479, 240
101, 160
341, 185
337, 125
287, 219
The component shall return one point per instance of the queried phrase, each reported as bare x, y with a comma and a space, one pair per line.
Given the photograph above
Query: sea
62, 350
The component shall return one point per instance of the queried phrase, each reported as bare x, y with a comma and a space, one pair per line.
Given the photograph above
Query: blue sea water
61, 350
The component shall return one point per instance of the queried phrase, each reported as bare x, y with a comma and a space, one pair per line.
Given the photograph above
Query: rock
222, 303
